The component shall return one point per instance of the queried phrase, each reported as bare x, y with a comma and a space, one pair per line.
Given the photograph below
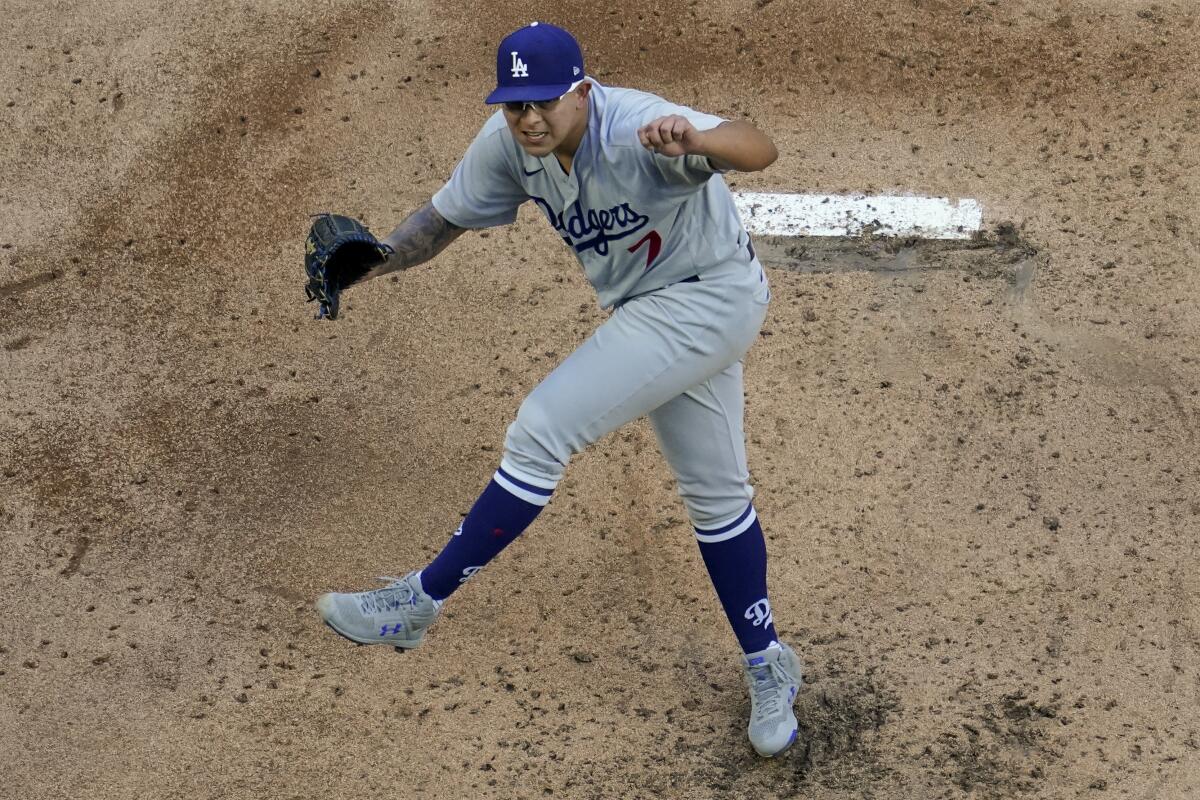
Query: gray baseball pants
674, 354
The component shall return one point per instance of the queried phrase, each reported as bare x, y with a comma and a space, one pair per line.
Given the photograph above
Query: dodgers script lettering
591, 229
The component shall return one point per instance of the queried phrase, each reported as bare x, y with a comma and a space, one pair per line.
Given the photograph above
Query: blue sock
736, 557
506, 508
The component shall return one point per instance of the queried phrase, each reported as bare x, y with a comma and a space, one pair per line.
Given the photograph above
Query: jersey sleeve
482, 191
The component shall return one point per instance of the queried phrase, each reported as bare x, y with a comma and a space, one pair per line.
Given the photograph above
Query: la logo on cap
519, 70
536, 63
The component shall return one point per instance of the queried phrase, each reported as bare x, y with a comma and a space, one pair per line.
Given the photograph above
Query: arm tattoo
420, 237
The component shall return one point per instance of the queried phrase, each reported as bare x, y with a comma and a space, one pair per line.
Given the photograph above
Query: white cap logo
519, 70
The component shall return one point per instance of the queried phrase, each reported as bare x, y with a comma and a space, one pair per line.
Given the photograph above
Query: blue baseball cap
538, 62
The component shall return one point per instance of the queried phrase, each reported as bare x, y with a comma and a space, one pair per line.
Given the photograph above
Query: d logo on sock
760, 613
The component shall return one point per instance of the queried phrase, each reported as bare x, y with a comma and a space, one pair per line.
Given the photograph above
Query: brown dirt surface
977, 465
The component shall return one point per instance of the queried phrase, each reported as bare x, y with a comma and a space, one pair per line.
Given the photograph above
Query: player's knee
709, 509
535, 442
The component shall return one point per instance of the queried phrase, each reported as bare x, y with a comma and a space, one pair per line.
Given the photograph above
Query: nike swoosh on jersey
535, 172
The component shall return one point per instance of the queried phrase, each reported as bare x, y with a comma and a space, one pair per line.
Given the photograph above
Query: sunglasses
538, 105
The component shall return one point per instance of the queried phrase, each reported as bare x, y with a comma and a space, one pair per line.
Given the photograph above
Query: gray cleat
774, 677
398, 614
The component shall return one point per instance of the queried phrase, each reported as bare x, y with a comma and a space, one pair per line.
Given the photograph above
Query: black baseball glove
338, 252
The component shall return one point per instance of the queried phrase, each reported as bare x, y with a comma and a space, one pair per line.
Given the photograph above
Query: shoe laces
396, 594
766, 688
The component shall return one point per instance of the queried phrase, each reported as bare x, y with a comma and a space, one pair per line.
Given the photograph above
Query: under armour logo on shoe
392, 630
760, 613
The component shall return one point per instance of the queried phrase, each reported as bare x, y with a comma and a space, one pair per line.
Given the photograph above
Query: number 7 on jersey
652, 252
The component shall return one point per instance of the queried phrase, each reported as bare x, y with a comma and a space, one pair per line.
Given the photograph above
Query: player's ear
584, 89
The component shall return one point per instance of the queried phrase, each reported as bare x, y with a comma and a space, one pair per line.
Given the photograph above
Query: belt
696, 278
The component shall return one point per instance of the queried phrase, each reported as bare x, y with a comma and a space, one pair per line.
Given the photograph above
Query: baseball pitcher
632, 184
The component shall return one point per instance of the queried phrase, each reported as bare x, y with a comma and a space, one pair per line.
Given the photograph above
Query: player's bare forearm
731, 145
737, 145
420, 237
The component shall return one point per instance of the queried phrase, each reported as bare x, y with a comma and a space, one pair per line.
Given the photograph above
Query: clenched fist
671, 136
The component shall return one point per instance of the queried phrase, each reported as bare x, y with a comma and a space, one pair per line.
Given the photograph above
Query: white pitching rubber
770, 214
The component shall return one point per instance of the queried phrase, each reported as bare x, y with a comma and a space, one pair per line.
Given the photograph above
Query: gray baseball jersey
636, 220
661, 240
